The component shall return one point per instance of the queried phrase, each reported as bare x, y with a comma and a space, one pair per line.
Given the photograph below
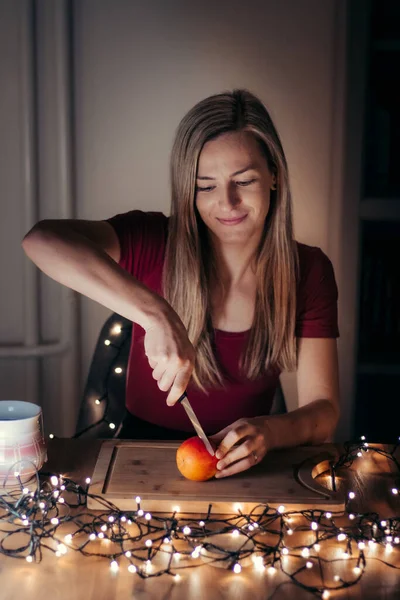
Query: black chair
103, 402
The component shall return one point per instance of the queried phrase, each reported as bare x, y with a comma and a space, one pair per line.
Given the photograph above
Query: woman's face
233, 188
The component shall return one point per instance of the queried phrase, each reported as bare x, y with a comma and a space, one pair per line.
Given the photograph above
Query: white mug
22, 445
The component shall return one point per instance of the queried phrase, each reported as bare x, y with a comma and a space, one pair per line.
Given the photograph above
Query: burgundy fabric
142, 237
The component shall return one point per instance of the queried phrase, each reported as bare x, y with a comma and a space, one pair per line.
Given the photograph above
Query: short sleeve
317, 295
142, 238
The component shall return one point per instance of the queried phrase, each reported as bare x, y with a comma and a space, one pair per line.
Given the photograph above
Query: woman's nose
229, 196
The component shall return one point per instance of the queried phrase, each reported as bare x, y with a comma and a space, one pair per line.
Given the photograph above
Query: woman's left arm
246, 442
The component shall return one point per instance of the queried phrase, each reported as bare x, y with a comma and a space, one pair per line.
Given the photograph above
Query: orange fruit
194, 461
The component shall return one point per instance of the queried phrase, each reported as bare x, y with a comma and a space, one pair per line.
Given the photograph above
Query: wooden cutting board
126, 469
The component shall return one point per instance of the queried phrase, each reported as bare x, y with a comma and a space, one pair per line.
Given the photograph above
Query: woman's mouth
232, 221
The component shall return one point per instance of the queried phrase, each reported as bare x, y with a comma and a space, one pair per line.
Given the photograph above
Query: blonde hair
189, 262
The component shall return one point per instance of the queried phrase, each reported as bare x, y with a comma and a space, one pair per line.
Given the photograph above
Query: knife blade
195, 422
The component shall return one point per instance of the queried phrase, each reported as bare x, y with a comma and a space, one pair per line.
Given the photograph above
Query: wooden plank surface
83, 578
126, 469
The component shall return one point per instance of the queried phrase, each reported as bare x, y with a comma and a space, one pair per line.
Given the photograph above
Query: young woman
221, 296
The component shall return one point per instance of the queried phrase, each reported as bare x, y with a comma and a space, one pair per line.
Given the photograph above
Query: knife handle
184, 395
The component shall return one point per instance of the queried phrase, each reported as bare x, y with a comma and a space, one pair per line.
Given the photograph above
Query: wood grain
80, 578
126, 469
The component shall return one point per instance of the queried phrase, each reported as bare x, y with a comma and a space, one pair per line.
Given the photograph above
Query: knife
195, 422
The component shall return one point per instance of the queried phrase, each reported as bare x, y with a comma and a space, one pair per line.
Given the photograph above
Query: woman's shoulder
314, 264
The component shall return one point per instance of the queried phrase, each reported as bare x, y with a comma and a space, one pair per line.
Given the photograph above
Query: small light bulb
389, 548
325, 595
114, 565
271, 570
138, 499
29, 558
201, 523
123, 519
132, 569
237, 568
176, 509
290, 532
305, 552
111, 519
352, 495
281, 509
177, 578
116, 329
187, 530
317, 547
25, 522
195, 554
383, 523
336, 578
68, 538
361, 545
54, 480
351, 516
362, 437
51, 435
235, 533
26, 490
149, 543
314, 525
16, 473
107, 342
328, 515
112, 425
357, 570
147, 516
97, 401
285, 551
345, 555
166, 540
396, 540
103, 528
101, 535
309, 564
395, 491
92, 536
341, 537
140, 512
54, 521
118, 370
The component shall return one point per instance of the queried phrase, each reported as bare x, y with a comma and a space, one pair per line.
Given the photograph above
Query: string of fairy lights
51, 513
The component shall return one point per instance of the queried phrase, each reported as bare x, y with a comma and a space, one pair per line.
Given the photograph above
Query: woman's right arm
84, 255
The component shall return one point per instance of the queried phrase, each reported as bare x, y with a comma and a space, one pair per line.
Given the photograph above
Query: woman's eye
205, 189
244, 183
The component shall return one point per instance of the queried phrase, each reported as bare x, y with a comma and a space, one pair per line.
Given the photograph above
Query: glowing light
235, 533
305, 552
112, 425
132, 569
341, 537
357, 570
26, 491
345, 555
383, 523
101, 535
351, 516
54, 480
149, 543
51, 435
97, 401
176, 509
237, 507
389, 548
336, 578
285, 551
290, 531
54, 521
67, 538
92, 536
140, 512
138, 499
271, 570
359, 454
166, 540
187, 530
107, 342
116, 329
328, 515
395, 491
361, 545
281, 509
362, 438
309, 564
147, 516
114, 566
103, 527
111, 519
314, 525
352, 495
62, 548
88, 480
29, 558
118, 370
317, 547
325, 595
201, 523
128, 554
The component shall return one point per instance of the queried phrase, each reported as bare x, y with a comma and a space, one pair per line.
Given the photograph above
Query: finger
179, 386
166, 380
233, 437
239, 452
159, 370
238, 467
217, 437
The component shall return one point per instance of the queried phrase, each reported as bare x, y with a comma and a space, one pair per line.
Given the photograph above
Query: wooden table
80, 578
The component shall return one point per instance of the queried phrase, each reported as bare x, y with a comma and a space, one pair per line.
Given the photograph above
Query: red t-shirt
142, 237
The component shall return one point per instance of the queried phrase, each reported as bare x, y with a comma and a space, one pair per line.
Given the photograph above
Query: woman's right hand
170, 354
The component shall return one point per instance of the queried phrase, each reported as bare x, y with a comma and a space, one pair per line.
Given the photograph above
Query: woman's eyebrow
248, 168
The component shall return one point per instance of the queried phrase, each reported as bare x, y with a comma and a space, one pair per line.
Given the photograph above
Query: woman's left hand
241, 445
